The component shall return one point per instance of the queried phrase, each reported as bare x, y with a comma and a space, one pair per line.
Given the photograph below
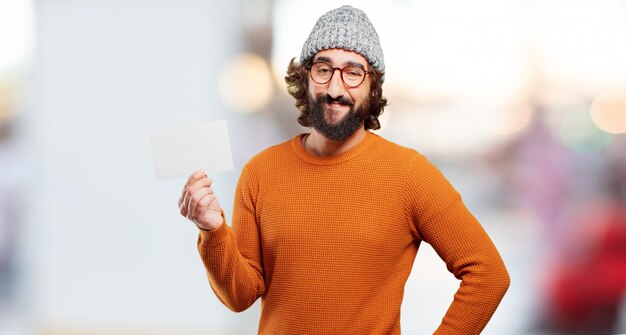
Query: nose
336, 87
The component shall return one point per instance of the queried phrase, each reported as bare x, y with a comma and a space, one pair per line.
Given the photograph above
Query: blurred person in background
537, 176
326, 226
586, 284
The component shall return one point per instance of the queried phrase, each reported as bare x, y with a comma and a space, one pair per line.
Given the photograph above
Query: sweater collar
296, 144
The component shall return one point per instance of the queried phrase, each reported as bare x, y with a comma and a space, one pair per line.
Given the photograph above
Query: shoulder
270, 156
415, 166
395, 153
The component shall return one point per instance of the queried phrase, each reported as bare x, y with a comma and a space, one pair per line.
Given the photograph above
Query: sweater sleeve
232, 257
440, 218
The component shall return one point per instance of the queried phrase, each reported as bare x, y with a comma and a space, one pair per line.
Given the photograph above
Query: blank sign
178, 151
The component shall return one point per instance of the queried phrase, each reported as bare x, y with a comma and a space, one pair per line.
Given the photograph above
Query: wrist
205, 228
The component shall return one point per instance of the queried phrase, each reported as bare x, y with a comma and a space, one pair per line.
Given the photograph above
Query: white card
177, 152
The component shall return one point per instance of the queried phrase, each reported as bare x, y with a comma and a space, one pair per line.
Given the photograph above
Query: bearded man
326, 225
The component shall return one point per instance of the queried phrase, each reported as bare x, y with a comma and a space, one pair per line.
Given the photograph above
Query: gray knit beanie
345, 28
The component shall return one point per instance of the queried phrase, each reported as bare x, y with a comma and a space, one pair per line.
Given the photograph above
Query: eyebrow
328, 60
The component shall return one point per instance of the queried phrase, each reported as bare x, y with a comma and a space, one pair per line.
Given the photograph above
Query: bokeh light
507, 119
580, 134
6, 102
245, 84
608, 111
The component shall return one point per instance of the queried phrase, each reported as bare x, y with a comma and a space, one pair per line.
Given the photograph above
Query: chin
334, 120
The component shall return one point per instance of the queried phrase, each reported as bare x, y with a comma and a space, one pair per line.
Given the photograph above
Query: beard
341, 129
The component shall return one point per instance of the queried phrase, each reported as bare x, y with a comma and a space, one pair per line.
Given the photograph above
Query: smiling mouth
335, 101
333, 108
335, 105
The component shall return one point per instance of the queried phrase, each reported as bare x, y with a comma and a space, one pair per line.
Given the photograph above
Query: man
326, 226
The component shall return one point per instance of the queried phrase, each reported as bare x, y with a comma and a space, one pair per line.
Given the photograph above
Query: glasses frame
340, 74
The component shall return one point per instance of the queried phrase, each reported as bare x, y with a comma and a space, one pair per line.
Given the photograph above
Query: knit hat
345, 28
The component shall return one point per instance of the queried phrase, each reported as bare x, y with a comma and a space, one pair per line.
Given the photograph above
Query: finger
182, 209
206, 200
195, 199
184, 206
203, 204
198, 174
195, 176
204, 213
190, 180
200, 183
182, 195
204, 182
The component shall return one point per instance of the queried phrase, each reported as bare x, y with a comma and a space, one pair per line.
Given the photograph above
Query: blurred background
522, 105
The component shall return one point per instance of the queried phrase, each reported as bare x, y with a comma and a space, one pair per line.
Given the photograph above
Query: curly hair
298, 84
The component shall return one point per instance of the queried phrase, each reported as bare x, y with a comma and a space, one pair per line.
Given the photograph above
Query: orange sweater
328, 242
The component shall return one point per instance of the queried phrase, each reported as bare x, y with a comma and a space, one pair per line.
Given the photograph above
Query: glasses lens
321, 72
353, 75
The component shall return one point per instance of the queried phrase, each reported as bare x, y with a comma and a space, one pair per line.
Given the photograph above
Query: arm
440, 218
231, 257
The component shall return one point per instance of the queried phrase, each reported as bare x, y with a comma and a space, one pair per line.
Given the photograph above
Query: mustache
340, 100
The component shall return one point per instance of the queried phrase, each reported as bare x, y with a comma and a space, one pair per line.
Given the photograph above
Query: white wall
108, 250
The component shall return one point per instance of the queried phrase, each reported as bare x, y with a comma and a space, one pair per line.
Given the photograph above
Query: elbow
238, 308
498, 278
491, 276
506, 281
236, 303
233, 300
502, 283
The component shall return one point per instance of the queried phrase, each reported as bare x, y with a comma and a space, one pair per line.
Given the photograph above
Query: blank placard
178, 151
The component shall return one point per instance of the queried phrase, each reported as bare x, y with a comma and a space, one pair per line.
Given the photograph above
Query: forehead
340, 57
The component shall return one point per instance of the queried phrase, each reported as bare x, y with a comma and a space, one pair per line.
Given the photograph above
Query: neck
317, 144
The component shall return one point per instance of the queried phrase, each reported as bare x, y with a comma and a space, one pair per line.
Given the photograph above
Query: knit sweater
329, 242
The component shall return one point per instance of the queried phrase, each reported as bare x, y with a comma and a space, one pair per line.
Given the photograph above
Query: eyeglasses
322, 73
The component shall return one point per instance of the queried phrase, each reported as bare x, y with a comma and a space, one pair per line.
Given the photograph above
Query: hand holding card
198, 202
